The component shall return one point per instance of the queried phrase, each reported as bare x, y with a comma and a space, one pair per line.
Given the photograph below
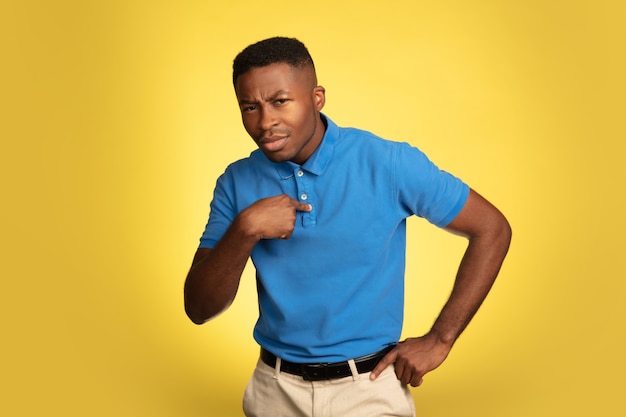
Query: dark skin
280, 108
489, 236
214, 277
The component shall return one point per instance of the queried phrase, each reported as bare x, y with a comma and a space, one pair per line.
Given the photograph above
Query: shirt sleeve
425, 190
222, 212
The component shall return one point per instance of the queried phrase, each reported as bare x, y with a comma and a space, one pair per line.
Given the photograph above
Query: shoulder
254, 162
363, 143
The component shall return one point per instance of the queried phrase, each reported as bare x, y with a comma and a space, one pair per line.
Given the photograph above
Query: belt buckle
315, 372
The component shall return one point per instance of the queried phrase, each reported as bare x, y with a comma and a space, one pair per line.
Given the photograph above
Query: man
321, 212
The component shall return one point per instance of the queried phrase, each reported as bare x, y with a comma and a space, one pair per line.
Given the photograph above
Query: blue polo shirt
335, 290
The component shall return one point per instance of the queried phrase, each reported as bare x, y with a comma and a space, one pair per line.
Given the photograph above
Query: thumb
384, 362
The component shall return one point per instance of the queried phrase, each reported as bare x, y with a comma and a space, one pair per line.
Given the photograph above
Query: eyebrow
274, 96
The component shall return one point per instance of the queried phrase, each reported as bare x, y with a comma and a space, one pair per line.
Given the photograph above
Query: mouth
273, 144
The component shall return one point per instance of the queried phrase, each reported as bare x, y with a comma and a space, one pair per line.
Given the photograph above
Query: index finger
301, 206
387, 360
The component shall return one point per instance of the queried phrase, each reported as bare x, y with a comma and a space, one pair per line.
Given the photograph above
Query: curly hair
271, 51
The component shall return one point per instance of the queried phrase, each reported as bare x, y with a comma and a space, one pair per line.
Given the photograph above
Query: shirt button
303, 197
300, 173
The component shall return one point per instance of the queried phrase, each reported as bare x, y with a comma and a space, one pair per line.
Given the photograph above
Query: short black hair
271, 51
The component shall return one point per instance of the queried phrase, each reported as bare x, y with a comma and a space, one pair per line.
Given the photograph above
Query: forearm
214, 277
489, 236
476, 274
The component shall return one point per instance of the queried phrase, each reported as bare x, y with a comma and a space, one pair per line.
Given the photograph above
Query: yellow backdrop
118, 116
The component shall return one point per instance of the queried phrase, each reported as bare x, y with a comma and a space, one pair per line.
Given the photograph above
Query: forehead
279, 76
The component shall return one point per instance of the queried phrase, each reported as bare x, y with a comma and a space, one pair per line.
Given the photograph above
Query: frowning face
280, 107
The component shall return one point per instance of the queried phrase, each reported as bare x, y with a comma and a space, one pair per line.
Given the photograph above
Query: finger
407, 375
384, 362
403, 373
416, 382
302, 206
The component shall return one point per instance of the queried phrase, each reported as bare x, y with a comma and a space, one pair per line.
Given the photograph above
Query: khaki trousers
271, 393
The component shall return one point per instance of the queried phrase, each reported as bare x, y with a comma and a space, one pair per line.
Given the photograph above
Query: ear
319, 97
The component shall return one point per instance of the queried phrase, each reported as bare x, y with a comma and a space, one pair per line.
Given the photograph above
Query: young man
321, 211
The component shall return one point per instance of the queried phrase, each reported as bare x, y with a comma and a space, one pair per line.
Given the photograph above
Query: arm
489, 235
213, 279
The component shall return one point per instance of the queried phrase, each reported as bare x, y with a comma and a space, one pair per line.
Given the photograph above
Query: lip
274, 143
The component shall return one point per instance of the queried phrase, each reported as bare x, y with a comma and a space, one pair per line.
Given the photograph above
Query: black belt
324, 371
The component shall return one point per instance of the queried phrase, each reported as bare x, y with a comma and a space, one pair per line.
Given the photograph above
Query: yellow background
118, 116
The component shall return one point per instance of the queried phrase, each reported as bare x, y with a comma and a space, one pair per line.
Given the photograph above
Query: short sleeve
425, 190
222, 212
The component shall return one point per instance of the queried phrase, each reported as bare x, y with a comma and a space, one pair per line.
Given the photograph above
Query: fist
272, 217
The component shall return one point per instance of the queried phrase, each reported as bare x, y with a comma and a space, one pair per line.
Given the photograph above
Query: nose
268, 118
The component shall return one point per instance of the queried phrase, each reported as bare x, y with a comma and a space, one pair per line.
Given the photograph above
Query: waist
325, 371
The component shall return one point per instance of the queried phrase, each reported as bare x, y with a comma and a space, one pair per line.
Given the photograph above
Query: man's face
280, 108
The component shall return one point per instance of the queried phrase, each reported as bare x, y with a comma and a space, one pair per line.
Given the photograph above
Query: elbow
496, 231
506, 232
500, 237
195, 317
196, 314
496, 234
200, 313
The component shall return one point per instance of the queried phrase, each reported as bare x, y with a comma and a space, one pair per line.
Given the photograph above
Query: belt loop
355, 372
277, 367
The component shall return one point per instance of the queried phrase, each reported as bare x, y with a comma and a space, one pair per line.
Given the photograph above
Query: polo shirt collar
319, 160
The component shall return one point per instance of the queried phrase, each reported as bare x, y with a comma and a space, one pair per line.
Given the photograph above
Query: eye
280, 101
248, 108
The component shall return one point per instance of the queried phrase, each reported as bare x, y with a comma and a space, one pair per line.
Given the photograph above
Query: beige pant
271, 393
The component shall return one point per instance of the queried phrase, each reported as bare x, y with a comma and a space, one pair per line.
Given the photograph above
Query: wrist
443, 337
246, 229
